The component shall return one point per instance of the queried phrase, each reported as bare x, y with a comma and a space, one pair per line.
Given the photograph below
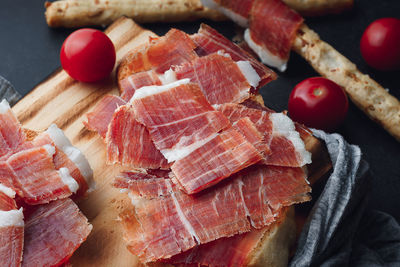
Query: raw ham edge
283, 125
266, 57
8, 191
73, 153
12, 218
152, 90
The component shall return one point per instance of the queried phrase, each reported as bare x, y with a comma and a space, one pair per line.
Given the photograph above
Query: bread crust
78, 13
319, 7
366, 93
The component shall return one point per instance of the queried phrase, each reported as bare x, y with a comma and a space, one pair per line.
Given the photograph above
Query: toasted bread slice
366, 93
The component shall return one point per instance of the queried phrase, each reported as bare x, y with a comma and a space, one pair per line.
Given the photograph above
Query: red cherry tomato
318, 103
380, 44
88, 55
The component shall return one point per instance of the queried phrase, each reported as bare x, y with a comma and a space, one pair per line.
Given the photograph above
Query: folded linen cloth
8, 92
340, 230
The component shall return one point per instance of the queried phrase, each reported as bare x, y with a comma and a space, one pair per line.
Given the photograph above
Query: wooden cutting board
64, 101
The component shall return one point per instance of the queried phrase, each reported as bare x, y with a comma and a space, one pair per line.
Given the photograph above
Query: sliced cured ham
11, 133
287, 148
99, 119
230, 81
209, 41
68, 156
285, 145
273, 27
260, 119
177, 116
249, 130
236, 10
53, 232
129, 143
240, 250
186, 129
32, 174
160, 54
225, 154
171, 222
130, 84
11, 229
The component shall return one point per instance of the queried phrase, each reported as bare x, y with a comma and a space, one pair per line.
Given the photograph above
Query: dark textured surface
29, 53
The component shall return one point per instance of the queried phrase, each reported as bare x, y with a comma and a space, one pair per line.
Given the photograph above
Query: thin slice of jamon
130, 84
209, 41
230, 81
129, 143
260, 119
100, 117
249, 130
174, 48
273, 27
235, 251
136, 81
68, 156
34, 178
186, 129
286, 146
11, 133
11, 229
171, 222
177, 116
53, 232
236, 10
219, 158
7, 196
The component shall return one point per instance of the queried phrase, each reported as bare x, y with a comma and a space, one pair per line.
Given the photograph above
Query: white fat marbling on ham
12, 218
73, 153
151, 90
68, 180
8, 191
180, 152
266, 57
283, 125
249, 72
168, 77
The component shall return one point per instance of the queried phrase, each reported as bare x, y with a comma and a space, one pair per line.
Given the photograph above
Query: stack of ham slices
271, 26
39, 224
207, 166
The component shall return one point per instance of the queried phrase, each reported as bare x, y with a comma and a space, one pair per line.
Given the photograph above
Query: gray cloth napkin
340, 230
8, 92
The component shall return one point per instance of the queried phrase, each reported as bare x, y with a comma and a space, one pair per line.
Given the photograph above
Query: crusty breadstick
319, 7
366, 93
78, 13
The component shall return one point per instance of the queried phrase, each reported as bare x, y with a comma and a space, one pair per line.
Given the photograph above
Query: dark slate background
29, 52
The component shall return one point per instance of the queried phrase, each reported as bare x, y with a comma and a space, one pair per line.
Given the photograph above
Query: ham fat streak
39, 224
206, 167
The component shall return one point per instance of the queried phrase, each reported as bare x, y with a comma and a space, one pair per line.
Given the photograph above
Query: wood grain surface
64, 101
